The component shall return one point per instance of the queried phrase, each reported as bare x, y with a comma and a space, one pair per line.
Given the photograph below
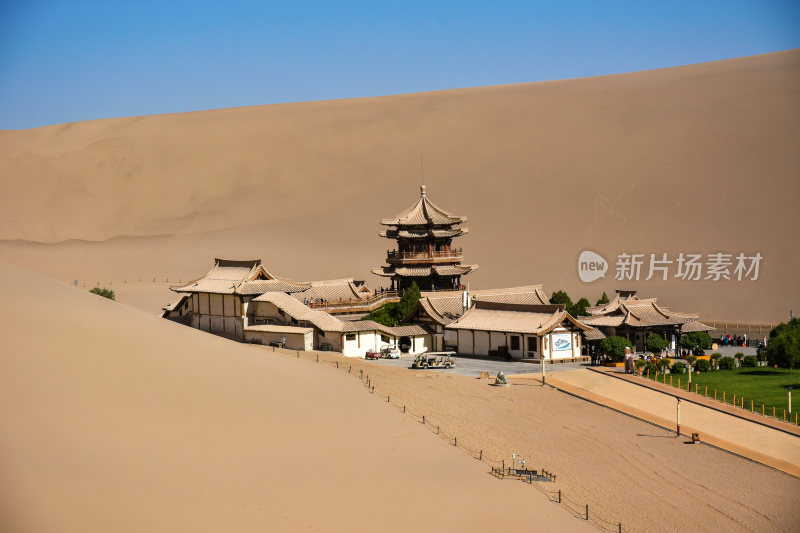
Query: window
514, 342
533, 344
385, 338
350, 337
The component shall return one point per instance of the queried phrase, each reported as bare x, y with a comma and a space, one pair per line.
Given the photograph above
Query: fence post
587, 511
620, 527
317, 358
423, 419
455, 439
349, 369
361, 374
387, 398
559, 495
404, 408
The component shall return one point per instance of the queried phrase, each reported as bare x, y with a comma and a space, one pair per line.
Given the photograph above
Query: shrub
652, 368
655, 343
664, 364
105, 293
639, 364
750, 361
697, 342
783, 348
703, 365
726, 363
614, 347
715, 357
677, 368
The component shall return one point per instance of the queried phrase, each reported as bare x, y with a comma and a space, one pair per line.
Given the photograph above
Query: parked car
373, 355
390, 352
435, 360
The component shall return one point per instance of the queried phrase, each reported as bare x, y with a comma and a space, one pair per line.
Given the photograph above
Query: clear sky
64, 61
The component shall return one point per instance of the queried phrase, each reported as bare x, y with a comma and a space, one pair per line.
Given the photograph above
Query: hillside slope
698, 159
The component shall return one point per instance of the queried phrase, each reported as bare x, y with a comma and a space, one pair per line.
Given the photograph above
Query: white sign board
562, 342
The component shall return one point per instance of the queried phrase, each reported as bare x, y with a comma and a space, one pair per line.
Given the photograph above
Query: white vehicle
390, 352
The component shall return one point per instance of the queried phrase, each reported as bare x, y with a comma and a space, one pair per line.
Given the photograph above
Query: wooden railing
395, 255
355, 302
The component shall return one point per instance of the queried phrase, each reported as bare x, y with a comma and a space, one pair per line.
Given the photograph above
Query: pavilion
424, 233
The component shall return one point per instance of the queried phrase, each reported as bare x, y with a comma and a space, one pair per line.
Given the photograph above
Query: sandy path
763, 444
625, 469
115, 420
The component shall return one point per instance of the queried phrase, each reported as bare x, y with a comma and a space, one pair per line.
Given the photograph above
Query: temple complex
632, 317
424, 233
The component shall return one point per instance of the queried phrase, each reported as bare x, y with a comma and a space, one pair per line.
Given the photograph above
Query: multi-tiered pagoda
424, 233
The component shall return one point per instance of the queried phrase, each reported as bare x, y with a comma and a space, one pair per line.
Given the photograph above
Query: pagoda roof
424, 213
226, 276
630, 310
421, 272
422, 233
444, 307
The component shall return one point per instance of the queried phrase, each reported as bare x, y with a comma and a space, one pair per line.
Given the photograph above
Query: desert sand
115, 420
700, 158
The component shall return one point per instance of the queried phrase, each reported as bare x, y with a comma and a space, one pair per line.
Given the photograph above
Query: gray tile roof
423, 213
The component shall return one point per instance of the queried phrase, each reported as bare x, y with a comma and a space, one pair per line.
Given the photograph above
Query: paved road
468, 366
764, 444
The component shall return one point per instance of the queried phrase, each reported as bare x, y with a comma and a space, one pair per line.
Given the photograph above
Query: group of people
731, 340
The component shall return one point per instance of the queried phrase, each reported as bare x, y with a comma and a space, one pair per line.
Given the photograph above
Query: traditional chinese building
425, 254
629, 316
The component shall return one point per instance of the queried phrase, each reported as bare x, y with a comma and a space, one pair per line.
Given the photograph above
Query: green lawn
761, 385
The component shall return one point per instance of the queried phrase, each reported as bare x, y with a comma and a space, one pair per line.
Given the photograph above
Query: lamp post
789, 388
543, 372
678, 430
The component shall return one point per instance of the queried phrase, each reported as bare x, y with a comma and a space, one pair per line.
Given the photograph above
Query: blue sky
66, 61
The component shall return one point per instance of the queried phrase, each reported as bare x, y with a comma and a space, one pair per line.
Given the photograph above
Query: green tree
655, 343
697, 342
561, 297
783, 348
603, 299
393, 313
579, 308
105, 293
614, 347
409, 300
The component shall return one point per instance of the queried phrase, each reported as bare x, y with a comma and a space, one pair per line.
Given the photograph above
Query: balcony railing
395, 255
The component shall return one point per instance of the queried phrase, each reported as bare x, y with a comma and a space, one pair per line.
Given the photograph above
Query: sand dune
700, 158
113, 420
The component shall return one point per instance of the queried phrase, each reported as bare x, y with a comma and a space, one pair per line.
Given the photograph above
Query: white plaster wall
498, 339
451, 338
481, 342
464, 342
518, 354
294, 341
